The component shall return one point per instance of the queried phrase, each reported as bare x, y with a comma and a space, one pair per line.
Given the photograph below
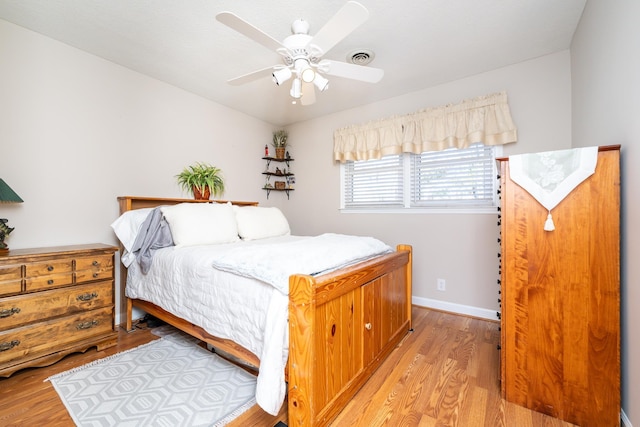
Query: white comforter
274, 263
251, 312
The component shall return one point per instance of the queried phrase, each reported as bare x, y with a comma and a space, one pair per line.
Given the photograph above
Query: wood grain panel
35, 340
357, 321
560, 292
29, 308
93, 268
10, 279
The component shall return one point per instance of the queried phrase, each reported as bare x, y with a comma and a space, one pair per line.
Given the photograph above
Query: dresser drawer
29, 308
94, 268
10, 279
48, 274
47, 282
53, 335
44, 268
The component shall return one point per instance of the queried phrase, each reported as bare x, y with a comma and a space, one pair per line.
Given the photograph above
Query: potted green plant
202, 180
280, 142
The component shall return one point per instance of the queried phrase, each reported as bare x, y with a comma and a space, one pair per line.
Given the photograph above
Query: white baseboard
625, 419
468, 310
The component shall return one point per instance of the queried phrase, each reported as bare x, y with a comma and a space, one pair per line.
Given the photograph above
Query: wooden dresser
55, 301
560, 339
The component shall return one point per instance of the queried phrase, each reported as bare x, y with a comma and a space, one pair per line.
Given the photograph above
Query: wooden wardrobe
560, 298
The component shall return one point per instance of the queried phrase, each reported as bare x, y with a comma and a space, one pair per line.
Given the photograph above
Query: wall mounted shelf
283, 178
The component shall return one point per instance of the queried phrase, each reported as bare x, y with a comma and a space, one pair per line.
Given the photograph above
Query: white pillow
255, 222
201, 223
127, 226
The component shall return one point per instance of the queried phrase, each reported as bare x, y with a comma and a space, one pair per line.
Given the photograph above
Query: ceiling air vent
361, 57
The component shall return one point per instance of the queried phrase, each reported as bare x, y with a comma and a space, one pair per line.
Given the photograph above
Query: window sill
493, 210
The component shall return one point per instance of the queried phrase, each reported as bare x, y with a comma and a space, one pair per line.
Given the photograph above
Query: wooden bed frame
342, 326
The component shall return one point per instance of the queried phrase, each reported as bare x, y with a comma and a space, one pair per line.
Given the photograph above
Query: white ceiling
418, 43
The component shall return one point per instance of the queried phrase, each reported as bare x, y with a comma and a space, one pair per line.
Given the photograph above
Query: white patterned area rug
168, 382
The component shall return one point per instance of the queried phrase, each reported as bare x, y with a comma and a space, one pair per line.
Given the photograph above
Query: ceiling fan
302, 53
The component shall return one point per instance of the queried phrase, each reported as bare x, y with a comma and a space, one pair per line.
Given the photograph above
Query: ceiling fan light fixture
308, 75
281, 75
296, 89
321, 83
304, 70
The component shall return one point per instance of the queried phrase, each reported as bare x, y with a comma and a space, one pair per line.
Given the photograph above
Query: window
460, 179
374, 183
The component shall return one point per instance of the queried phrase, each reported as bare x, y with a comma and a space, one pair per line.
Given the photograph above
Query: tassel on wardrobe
548, 224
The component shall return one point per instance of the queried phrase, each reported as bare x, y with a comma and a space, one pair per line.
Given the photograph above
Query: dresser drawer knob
87, 325
87, 297
50, 268
367, 326
50, 282
9, 345
8, 312
95, 263
95, 275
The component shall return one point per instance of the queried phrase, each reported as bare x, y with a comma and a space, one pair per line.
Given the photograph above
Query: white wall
460, 248
77, 131
606, 110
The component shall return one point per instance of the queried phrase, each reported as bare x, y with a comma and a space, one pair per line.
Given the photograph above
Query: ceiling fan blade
345, 21
308, 94
233, 21
352, 71
246, 78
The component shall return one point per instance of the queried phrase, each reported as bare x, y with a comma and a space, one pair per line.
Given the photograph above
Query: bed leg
129, 312
301, 386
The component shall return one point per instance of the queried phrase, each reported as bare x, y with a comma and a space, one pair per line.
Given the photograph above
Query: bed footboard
342, 326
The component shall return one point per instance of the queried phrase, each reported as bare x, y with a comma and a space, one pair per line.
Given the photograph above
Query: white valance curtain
485, 119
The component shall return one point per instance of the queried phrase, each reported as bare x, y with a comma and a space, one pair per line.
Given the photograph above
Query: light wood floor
445, 373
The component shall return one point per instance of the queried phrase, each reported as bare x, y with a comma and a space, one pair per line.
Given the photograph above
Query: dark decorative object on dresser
7, 195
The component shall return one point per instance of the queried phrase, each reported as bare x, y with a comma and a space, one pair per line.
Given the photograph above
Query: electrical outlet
442, 285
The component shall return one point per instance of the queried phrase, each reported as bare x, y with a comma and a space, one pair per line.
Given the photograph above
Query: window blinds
377, 183
449, 178
454, 177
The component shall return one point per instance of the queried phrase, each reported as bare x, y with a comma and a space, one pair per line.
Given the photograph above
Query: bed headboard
129, 203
